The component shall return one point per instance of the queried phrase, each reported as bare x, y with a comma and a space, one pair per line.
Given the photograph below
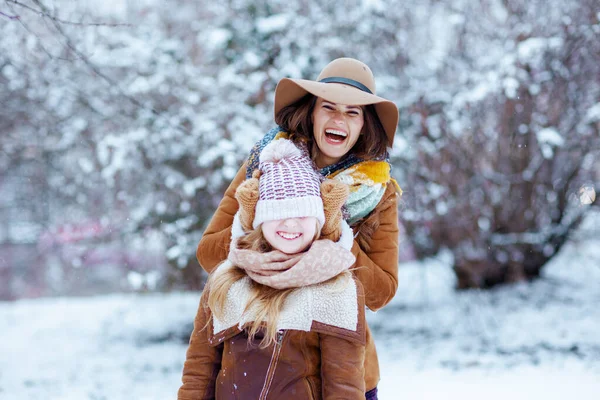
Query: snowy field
530, 341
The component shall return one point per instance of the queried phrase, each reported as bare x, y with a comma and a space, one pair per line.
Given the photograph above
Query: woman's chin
330, 154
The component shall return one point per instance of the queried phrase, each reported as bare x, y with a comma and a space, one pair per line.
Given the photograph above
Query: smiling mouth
289, 236
335, 136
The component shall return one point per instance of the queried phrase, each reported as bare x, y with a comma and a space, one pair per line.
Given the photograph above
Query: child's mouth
289, 236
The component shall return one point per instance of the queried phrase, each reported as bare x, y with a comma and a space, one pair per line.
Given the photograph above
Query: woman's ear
247, 196
334, 194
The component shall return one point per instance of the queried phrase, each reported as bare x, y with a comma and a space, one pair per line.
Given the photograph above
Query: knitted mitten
334, 194
247, 197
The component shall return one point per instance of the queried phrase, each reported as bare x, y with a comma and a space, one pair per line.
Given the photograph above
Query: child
282, 317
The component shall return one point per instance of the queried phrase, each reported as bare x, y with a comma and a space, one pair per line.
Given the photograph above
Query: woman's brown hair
296, 119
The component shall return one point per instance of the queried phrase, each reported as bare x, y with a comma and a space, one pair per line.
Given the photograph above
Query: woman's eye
327, 107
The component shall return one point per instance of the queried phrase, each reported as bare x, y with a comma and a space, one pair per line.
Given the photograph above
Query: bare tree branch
44, 13
69, 44
26, 27
9, 16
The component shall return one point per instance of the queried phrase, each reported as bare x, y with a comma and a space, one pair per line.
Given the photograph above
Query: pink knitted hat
289, 186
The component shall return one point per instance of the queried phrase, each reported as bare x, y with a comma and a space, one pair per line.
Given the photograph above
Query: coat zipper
272, 365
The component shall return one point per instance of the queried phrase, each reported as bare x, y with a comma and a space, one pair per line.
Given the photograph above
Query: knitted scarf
367, 179
323, 260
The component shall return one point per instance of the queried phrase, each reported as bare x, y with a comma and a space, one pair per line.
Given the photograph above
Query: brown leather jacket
325, 363
375, 248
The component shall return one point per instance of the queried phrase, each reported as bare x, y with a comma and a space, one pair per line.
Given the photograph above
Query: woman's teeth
335, 134
289, 236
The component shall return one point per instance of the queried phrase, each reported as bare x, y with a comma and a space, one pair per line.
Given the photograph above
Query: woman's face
291, 235
336, 128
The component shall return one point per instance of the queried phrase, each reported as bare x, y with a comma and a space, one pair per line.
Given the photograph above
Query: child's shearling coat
322, 333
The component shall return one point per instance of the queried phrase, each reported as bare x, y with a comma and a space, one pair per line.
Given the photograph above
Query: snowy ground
531, 341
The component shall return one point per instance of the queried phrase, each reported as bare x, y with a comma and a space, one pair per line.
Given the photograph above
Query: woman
346, 129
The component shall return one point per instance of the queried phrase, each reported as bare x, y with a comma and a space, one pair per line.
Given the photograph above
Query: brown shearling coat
326, 362
376, 264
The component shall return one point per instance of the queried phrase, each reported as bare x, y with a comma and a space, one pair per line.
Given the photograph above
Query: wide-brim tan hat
343, 81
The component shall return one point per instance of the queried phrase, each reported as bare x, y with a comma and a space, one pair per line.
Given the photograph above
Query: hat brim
289, 91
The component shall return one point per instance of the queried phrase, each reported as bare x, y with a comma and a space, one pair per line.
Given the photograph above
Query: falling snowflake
587, 195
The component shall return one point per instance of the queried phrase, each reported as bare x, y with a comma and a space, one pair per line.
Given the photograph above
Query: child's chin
291, 249
287, 250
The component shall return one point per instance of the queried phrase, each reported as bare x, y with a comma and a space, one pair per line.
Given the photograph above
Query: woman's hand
247, 196
334, 195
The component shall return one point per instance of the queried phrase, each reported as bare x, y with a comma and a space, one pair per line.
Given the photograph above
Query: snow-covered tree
138, 114
510, 136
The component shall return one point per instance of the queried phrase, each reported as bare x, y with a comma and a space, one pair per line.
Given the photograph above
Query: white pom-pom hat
289, 186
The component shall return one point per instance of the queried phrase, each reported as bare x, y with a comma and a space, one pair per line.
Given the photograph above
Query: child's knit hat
289, 186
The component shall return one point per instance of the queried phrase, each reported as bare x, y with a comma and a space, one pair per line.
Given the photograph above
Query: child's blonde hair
267, 301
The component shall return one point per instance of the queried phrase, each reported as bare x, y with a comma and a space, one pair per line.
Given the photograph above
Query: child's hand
334, 195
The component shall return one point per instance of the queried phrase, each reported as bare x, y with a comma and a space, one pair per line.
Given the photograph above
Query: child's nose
290, 222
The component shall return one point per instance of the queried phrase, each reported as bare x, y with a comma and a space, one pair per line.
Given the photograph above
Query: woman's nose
338, 118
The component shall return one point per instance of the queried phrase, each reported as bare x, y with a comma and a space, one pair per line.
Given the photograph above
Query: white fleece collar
334, 303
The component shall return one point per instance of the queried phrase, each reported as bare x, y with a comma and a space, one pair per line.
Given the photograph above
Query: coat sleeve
342, 368
214, 244
203, 362
377, 268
